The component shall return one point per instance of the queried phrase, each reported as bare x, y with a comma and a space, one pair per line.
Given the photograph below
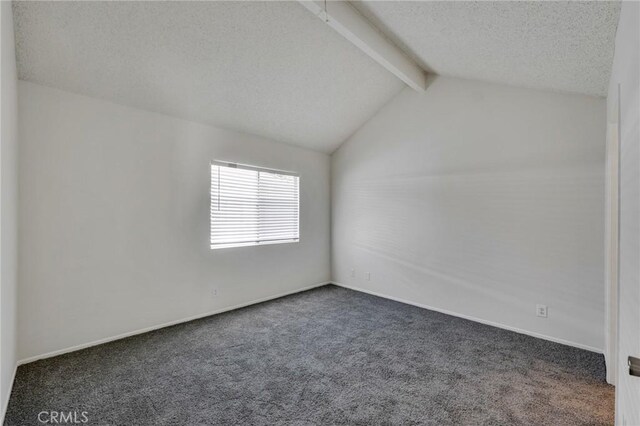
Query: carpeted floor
325, 356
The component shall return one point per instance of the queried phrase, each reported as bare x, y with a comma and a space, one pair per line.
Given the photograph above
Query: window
253, 206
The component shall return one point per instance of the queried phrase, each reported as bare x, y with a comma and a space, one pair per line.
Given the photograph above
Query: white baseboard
468, 317
167, 324
5, 403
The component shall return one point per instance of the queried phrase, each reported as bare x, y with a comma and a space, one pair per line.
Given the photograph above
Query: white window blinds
252, 205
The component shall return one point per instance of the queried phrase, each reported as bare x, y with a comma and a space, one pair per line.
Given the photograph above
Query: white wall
611, 250
481, 200
9, 205
626, 73
114, 223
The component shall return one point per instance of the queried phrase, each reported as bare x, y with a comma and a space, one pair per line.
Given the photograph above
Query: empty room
320, 213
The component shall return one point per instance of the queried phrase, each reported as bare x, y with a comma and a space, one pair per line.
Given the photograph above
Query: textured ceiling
273, 69
562, 46
267, 68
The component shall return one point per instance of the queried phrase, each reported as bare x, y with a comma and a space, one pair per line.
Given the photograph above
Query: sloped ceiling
269, 68
561, 46
274, 69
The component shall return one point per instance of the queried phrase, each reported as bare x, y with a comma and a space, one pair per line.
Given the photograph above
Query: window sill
252, 244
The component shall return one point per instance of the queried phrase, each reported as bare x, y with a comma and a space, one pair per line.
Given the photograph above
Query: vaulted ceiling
269, 68
273, 69
564, 46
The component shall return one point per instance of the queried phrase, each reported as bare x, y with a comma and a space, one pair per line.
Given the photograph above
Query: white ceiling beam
347, 21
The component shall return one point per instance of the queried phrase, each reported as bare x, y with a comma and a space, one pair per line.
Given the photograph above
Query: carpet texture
325, 356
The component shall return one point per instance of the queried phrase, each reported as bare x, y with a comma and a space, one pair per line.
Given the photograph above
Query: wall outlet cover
541, 311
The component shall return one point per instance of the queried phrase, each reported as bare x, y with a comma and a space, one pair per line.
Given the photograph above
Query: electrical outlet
353, 273
214, 292
368, 275
541, 311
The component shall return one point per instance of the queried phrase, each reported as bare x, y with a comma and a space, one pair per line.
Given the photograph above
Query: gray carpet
325, 356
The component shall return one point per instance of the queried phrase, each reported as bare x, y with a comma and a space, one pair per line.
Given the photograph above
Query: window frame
259, 169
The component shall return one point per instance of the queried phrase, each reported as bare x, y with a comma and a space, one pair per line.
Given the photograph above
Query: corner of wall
8, 207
